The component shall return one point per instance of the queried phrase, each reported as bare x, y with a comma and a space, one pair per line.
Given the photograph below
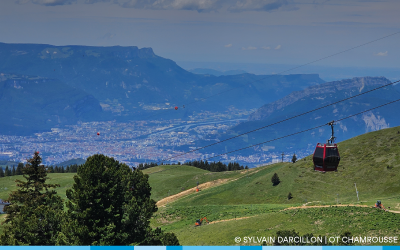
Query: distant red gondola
98, 133
326, 156
176, 108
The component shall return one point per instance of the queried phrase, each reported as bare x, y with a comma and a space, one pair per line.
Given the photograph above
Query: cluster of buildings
132, 143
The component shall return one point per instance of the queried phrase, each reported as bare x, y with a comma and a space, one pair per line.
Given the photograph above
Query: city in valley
136, 141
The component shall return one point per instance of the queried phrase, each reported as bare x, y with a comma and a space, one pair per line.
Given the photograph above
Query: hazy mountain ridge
309, 99
131, 83
214, 72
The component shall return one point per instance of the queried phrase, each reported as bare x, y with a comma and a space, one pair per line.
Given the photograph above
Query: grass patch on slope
8, 184
168, 180
252, 188
328, 222
176, 217
372, 161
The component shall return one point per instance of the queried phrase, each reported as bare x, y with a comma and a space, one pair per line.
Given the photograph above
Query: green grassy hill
168, 180
372, 161
249, 205
331, 221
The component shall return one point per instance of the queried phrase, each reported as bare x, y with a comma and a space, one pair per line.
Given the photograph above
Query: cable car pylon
326, 156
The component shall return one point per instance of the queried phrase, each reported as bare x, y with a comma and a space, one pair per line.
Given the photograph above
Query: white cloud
196, 5
109, 35
262, 5
382, 53
278, 47
48, 2
249, 48
228, 45
265, 47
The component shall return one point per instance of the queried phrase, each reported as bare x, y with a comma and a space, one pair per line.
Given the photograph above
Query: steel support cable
287, 119
287, 135
303, 130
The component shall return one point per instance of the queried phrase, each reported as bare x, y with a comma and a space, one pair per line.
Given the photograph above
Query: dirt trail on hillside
177, 196
239, 218
202, 186
341, 205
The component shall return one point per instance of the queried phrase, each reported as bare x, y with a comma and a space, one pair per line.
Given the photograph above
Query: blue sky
289, 32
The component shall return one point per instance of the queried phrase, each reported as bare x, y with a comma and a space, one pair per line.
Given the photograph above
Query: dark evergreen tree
50, 169
13, 171
290, 196
34, 216
73, 168
275, 179
1, 172
294, 158
19, 169
67, 169
109, 204
6, 172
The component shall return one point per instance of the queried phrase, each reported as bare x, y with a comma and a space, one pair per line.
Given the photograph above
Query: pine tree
1, 172
109, 204
19, 169
290, 196
294, 158
34, 216
50, 169
6, 172
13, 171
275, 179
73, 168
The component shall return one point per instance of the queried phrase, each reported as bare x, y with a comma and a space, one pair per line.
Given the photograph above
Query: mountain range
127, 82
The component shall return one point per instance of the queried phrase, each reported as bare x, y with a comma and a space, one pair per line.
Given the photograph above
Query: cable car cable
304, 130
287, 119
341, 119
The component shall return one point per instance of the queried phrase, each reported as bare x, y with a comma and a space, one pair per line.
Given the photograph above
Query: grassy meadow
247, 204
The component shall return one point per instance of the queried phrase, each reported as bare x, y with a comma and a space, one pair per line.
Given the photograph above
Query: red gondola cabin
326, 157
